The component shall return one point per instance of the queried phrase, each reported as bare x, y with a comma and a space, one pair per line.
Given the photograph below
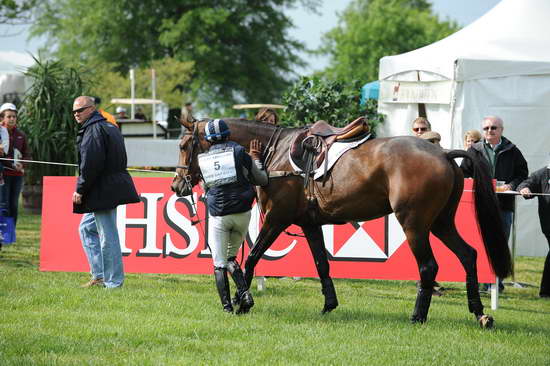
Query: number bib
218, 167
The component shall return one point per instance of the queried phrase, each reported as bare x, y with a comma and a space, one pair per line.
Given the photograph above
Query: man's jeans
99, 236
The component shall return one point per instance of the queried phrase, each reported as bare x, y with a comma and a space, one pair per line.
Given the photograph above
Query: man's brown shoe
93, 282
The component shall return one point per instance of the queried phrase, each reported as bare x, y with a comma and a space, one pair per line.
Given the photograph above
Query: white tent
498, 65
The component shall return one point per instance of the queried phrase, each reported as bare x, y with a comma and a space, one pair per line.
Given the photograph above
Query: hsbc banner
158, 236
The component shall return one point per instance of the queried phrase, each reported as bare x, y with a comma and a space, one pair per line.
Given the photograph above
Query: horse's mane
255, 128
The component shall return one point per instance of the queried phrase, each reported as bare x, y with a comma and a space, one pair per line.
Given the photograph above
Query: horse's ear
187, 125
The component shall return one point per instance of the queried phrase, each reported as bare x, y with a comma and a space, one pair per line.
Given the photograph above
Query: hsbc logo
358, 241
362, 245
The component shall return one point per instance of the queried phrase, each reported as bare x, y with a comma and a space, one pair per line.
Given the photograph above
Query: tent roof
370, 91
514, 31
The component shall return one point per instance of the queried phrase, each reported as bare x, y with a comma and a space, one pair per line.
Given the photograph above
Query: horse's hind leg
415, 225
445, 230
316, 243
427, 267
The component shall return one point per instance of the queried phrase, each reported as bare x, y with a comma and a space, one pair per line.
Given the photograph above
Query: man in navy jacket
103, 183
539, 182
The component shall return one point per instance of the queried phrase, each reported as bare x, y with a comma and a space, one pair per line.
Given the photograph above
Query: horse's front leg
316, 242
268, 233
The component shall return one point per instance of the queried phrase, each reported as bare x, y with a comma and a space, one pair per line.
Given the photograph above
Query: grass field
47, 319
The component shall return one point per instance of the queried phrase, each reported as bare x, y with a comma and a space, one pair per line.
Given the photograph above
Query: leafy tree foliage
371, 29
16, 11
313, 99
240, 48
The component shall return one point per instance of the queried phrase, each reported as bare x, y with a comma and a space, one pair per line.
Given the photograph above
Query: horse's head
187, 171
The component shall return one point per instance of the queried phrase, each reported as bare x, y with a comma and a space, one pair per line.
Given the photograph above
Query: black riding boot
244, 298
222, 283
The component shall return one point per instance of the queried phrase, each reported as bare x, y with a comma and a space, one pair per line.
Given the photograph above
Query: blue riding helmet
216, 130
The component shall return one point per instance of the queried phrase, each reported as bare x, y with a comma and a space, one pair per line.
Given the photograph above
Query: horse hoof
486, 321
415, 319
329, 307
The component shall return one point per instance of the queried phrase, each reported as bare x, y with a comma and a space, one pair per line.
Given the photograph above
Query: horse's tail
488, 215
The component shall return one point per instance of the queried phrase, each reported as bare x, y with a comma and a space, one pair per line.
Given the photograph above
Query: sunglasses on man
80, 110
418, 129
492, 128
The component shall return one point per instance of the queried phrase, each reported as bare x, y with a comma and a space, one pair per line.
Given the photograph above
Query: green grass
47, 319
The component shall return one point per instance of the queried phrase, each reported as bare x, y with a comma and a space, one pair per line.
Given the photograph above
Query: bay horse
414, 179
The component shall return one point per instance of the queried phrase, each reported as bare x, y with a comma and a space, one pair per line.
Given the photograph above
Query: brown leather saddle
311, 145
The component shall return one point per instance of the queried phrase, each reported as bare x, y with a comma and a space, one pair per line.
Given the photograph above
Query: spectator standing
10, 111
103, 183
506, 163
470, 138
267, 115
187, 113
108, 116
421, 125
229, 200
121, 113
186, 118
13, 169
539, 182
140, 115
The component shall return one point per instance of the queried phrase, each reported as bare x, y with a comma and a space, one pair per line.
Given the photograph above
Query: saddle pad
335, 151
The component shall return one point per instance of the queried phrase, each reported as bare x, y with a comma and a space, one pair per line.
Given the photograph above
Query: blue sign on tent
370, 91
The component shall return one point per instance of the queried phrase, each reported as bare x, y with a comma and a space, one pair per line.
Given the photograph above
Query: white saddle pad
334, 153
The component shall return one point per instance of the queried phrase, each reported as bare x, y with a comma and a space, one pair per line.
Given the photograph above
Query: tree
16, 12
241, 50
371, 29
313, 99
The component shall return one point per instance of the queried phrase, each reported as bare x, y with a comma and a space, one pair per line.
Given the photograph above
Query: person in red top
13, 170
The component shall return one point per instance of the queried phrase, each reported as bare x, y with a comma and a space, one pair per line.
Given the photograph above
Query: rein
187, 177
271, 145
269, 152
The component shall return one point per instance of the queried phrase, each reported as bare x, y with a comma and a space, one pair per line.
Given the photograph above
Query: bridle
195, 144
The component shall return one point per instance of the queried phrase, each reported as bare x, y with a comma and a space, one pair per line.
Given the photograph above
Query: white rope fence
75, 165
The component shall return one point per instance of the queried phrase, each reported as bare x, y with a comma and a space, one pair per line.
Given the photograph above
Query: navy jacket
510, 167
234, 197
539, 182
103, 180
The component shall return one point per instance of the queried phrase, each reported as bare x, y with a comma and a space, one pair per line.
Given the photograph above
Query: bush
313, 99
46, 118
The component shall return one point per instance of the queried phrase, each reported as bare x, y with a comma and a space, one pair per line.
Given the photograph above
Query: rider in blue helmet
229, 175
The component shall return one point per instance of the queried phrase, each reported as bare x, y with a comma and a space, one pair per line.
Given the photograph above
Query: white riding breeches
225, 236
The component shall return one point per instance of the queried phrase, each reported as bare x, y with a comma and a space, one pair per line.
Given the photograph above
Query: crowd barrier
158, 236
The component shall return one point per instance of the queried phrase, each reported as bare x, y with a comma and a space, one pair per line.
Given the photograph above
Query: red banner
157, 236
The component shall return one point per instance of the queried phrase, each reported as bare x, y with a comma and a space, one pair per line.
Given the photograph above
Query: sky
14, 48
